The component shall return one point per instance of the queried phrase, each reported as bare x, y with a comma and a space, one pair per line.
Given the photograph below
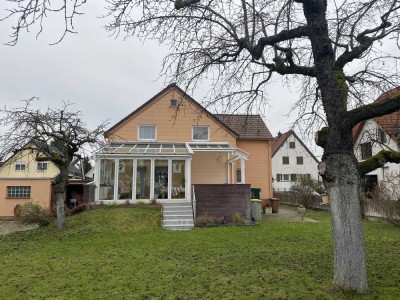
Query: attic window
173, 103
42, 166
292, 145
20, 166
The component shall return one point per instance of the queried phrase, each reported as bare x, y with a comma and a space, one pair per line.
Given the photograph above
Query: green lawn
122, 253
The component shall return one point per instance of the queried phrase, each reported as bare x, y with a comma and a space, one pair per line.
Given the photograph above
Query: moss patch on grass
122, 253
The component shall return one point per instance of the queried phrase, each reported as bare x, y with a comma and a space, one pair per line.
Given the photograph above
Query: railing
194, 204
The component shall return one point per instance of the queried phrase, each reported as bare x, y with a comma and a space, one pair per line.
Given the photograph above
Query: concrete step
178, 217
178, 212
178, 222
174, 227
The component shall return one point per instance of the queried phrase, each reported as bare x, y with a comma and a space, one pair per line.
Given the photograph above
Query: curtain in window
147, 132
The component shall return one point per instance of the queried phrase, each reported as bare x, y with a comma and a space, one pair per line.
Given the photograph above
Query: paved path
7, 227
285, 214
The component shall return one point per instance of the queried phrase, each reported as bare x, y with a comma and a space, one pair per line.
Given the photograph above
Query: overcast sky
106, 78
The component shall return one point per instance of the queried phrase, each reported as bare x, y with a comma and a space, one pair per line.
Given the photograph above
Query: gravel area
7, 227
285, 214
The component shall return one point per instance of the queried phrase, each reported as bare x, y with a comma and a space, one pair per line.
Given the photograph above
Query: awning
167, 149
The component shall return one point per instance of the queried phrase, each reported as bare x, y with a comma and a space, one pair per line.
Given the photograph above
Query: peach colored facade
258, 167
175, 125
40, 194
172, 124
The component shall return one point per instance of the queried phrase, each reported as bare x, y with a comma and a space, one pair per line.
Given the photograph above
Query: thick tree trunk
342, 182
59, 190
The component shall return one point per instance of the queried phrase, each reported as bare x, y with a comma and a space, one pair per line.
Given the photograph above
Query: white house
374, 135
291, 159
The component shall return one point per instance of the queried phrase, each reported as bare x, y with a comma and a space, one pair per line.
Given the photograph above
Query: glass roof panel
146, 149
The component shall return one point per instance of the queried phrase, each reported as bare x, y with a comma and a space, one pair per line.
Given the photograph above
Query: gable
26, 157
173, 124
281, 143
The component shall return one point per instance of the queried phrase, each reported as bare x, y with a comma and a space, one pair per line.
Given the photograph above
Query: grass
122, 253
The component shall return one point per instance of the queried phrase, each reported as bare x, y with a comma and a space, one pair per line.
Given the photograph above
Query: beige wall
173, 125
209, 167
8, 169
40, 194
258, 167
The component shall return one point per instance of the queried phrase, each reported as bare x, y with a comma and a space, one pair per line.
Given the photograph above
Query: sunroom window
147, 132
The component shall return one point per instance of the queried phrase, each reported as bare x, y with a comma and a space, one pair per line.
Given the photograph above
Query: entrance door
161, 179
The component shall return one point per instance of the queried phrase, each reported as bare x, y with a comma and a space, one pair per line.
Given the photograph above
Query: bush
34, 214
238, 219
204, 220
309, 191
386, 197
78, 209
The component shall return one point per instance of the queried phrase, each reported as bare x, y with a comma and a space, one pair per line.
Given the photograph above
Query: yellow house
170, 143
23, 179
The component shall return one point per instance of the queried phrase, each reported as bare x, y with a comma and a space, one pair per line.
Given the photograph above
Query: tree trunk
59, 190
341, 179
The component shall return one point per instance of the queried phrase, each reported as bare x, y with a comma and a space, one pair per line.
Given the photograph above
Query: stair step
173, 227
178, 217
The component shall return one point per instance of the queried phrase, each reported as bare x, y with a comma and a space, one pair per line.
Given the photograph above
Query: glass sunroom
156, 170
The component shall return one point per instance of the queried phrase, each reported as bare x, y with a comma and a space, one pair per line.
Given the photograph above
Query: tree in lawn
55, 135
336, 50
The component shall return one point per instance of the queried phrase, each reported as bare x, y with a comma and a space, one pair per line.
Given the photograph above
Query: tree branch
376, 109
378, 161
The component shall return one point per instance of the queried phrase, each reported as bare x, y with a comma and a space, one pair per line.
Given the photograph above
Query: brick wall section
223, 200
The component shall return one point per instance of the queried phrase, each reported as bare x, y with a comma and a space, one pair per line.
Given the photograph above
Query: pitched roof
282, 137
248, 127
389, 123
155, 97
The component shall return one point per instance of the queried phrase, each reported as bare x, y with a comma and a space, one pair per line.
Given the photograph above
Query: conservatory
134, 171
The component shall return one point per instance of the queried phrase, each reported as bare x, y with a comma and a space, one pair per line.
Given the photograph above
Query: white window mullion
152, 178
169, 178
134, 171
116, 172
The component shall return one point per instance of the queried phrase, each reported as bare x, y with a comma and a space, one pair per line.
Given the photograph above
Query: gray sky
106, 78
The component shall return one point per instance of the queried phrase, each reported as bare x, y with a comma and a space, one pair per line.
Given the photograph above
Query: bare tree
345, 53
55, 135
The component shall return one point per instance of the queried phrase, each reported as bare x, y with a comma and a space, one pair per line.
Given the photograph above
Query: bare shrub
34, 214
386, 197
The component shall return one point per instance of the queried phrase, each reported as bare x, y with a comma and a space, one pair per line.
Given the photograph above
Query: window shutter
278, 177
293, 177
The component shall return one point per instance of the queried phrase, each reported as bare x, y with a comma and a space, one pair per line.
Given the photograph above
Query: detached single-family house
23, 179
374, 135
171, 143
291, 159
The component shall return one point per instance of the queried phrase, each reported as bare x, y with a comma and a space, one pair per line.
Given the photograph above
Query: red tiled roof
282, 137
389, 123
248, 127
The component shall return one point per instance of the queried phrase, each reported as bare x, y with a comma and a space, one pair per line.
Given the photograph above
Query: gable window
41, 166
173, 103
381, 136
285, 160
299, 160
147, 132
366, 150
292, 145
200, 133
20, 166
18, 192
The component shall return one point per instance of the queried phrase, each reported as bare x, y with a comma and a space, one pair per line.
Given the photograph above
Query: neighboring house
291, 160
170, 143
374, 135
23, 179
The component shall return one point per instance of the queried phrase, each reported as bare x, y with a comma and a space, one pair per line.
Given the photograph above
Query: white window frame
208, 133
283, 177
20, 163
44, 163
18, 192
147, 125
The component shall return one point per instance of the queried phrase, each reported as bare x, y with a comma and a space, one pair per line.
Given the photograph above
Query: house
374, 135
291, 159
171, 143
23, 179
